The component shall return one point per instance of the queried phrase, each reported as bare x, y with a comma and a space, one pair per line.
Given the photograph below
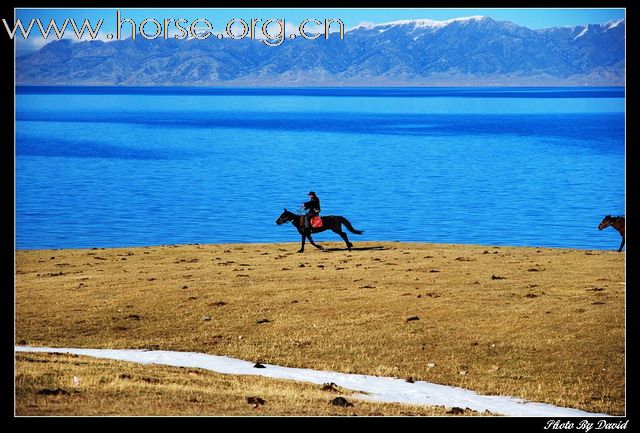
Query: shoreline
322, 242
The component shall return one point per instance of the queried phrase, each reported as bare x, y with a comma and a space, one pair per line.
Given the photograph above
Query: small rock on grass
218, 304
257, 401
458, 411
341, 401
412, 318
329, 387
57, 391
455, 411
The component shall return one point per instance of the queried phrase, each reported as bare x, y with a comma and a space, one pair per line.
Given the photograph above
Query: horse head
606, 222
285, 217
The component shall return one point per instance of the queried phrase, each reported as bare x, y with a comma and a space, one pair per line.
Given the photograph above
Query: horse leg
621, 245
301, 250
313, 243
344, 237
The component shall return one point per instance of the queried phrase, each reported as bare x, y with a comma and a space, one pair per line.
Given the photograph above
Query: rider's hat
312, 193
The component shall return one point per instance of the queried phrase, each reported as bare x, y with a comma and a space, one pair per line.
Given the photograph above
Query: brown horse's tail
348, 225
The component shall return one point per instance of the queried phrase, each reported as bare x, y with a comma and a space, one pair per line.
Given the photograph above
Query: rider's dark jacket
312, 206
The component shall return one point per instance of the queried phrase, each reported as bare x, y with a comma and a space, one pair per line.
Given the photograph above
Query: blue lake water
108, 167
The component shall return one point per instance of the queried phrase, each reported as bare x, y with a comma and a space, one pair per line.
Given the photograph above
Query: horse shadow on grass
373, 248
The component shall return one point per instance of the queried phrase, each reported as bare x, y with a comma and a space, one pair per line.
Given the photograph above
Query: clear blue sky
533, 18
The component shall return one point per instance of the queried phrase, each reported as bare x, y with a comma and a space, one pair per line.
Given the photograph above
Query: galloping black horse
617, 223
330, 222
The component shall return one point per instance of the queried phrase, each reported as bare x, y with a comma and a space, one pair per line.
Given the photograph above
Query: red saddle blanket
316, 222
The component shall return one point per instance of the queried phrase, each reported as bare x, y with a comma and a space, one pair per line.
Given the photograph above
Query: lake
114, 166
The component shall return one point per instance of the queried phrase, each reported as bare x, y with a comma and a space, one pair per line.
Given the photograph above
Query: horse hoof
320, 247
301, 251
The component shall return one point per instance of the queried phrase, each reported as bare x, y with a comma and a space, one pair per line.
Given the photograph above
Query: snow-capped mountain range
462, 51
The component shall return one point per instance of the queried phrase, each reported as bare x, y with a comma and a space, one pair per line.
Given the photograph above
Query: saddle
315, 222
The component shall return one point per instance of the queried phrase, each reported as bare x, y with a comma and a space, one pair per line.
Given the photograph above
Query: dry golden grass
538, 323
45, 386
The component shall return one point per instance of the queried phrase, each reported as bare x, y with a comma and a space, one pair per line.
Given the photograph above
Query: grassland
542, 324
54, 384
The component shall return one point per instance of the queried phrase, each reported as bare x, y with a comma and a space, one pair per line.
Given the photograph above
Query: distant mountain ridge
462, 51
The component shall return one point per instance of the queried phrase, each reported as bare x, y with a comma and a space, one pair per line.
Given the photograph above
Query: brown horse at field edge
617, 223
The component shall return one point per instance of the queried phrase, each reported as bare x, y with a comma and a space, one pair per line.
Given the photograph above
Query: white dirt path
384, 389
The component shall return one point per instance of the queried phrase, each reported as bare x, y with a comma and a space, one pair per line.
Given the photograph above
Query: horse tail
348, 225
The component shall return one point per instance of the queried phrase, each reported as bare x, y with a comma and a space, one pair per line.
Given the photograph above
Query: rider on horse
312, 207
